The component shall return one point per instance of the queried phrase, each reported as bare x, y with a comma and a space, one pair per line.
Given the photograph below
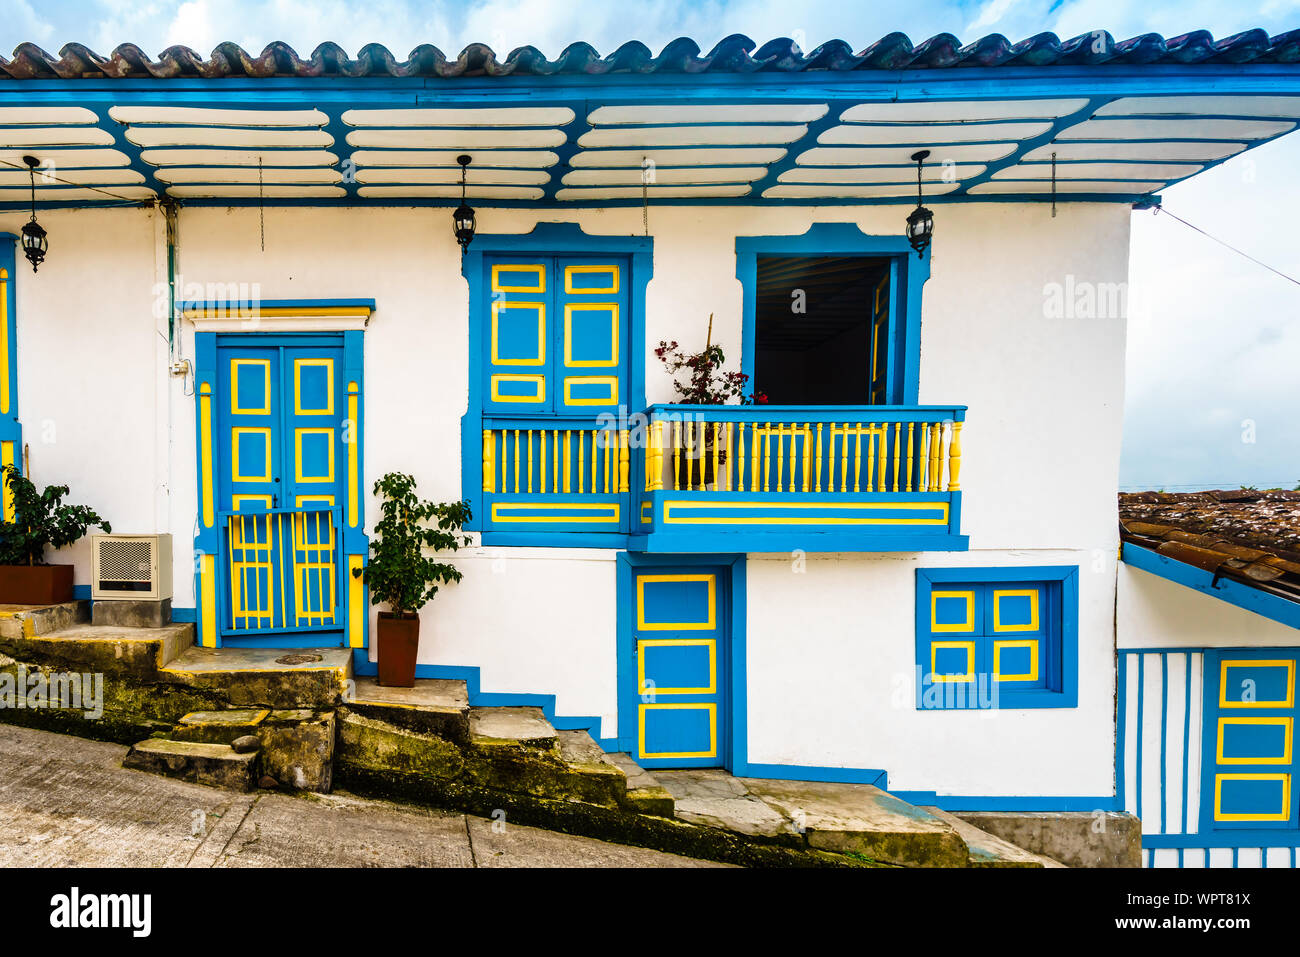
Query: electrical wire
1161, 209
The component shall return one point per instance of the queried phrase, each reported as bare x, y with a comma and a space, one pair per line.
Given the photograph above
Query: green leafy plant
399, 574
41, 519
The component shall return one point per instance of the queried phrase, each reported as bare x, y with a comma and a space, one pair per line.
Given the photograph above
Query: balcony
728, 479
767, 478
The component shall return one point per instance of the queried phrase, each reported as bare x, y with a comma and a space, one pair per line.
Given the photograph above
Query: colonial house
903, 569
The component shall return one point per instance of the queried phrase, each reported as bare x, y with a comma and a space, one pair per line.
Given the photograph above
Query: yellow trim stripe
569, 310
611, 510
297, 455
645, 643
669, 505
1284, 814
328, 364
707, 625
1031, 674
1284, 723
539, 393
1287, 663
967, 646
967, 625
1030, 593
205, 452
659, 755
612, 287
537, 269
540, 358
356, 604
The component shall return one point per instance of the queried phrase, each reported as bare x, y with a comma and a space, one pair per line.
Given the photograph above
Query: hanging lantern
33, 235
462, 220
920, 223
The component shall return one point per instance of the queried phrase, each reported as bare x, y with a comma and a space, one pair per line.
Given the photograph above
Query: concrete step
588, 759
274, 678
26, 621
200, 763
989, 850
218, 727
434, 706
644, 792
855, 819
134, 652
511, 727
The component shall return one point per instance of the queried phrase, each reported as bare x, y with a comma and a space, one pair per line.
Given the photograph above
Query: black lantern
462, 220
920, 223
34, 241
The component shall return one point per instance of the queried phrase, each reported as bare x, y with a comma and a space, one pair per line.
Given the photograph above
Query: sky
1213, 365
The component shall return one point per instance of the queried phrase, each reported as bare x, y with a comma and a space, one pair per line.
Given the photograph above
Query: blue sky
1214, 341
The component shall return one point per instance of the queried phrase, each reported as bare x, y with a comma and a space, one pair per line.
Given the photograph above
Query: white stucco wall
1039, 471
1154, 612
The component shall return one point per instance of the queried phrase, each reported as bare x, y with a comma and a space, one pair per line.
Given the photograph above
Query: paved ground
67, 802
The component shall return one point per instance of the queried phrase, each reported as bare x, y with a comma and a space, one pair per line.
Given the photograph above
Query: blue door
281, 429
680, 631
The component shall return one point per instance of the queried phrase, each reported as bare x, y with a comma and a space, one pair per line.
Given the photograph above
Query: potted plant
706, 384
40, 519
401, 576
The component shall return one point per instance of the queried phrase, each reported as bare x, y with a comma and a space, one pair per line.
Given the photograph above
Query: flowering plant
706, 383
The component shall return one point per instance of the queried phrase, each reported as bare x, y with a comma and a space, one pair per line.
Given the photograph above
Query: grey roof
735, 54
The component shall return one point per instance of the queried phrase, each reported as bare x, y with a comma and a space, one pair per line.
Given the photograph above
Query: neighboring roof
1244, 536
1089, 119
735, 54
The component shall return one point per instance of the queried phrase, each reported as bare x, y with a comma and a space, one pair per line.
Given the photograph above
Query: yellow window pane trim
609, 307
610, 382
1287, 702
967, 625
967, 646
509, 277
676, 643
537, 381
1030, 593
1031, 644
236, 402
297, 455
1284, 723
656, 755
298, 407
611, 286
1282, 814
708, 625
236, 473
540, 358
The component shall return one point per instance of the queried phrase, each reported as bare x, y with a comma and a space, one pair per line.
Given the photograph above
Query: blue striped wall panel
1159, 741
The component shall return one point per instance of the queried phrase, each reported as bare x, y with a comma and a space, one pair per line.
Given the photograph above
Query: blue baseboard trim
362, 665
81, 592
185, 615
952, 802
1241, 838
800, 772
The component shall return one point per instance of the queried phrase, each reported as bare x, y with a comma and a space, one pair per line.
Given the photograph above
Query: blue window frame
1248, 760
997, 637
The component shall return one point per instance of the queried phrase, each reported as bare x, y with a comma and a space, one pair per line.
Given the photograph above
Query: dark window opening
822, 330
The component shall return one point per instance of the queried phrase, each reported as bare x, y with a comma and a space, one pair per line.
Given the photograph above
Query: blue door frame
318, 458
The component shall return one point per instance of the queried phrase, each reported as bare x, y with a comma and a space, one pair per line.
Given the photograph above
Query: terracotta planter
399, 641
35, 584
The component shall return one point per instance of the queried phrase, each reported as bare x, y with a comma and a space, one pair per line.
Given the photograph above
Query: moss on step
576, 817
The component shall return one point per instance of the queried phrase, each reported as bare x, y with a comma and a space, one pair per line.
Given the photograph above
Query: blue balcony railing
767, 478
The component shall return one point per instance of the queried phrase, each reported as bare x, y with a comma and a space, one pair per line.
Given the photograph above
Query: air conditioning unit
131, 567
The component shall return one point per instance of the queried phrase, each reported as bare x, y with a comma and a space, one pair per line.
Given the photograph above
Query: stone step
644, 792
588, 759
198, 762
511, 727
274, 678
434, 706
989, 850
218, 727
27, 621
133, 652
855, 819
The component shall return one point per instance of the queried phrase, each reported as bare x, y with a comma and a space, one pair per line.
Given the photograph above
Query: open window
823, 330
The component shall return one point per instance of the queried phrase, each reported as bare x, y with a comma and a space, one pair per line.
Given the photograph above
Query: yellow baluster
954, 459
582, 461
755, 450
740, 456
624, 462
541, 460
819, 459
568, 460
871, 457
516, 461
844, 461
767, 456
489, 461
555, 460
910, 427
806, 435
529, 439
730, 456
857, 456
934, 458
898, 426
780, 457
882, 437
